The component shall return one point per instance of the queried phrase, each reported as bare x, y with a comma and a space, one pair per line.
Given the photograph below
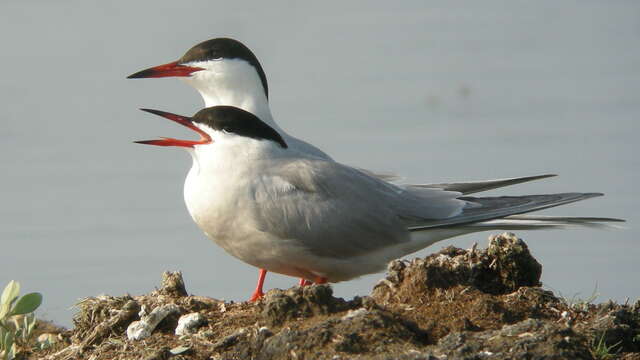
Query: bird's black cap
224, 48
237, 121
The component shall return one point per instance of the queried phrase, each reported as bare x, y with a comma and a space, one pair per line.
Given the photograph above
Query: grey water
433, 91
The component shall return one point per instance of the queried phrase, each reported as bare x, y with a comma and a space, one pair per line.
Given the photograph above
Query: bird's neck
232, 82
247, 99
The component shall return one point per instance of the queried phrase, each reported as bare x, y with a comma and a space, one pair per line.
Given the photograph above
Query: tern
297, 214
226, 72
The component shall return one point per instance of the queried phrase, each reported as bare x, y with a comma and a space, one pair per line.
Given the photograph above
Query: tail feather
569, 219
526, 222
483, 209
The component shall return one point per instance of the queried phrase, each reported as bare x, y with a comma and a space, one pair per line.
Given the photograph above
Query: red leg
304, 282
257, 294
321, 280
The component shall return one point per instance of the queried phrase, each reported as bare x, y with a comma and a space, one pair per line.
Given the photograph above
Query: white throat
232, 82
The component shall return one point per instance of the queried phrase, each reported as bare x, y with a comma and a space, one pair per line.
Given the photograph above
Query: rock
513, 264
529, 339
504, 267
172, 284
375, 331
47, 339
230, 340
142, 329
354, 313
189, 324
279, 306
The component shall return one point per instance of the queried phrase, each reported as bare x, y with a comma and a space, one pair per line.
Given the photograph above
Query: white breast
220, 196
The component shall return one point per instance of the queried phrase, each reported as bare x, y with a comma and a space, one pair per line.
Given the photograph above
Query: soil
454, 304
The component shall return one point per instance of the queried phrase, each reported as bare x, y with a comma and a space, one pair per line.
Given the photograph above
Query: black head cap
225, 48
237, 121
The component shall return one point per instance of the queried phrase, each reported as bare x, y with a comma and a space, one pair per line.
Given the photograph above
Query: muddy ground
454, 304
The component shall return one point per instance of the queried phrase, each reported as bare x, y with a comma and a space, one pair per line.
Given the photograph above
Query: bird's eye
227, 130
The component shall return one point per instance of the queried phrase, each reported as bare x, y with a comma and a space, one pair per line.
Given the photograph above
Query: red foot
304, 282
257, 293
320, 280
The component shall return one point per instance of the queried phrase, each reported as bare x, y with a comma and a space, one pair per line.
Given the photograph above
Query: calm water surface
433, 91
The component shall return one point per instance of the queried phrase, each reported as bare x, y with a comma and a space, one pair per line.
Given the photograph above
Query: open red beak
182, 120
166, 70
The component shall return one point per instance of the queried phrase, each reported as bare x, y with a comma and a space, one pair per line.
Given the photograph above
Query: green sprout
17, 320
601, 351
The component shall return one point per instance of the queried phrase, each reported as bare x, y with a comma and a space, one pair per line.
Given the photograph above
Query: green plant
16, 329
601, 351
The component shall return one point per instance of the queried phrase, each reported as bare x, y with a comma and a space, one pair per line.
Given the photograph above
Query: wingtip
543, 176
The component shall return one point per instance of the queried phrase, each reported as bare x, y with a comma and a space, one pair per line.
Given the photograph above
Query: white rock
142, 329
189, 324
353, 313
47, 338
138, 330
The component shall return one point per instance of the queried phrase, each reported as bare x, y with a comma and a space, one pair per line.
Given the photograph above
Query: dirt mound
503, 267
454, 304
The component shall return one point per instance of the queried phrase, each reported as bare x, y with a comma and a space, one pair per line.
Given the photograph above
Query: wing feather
338, 211
471, 187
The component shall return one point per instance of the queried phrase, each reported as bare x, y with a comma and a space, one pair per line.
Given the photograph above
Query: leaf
4, 310
12, 352
2, 333
10, 292
31, 324
8, 340
27, 304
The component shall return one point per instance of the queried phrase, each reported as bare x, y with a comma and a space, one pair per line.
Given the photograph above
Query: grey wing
465, 187
386, 176
471, 187
338, 211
